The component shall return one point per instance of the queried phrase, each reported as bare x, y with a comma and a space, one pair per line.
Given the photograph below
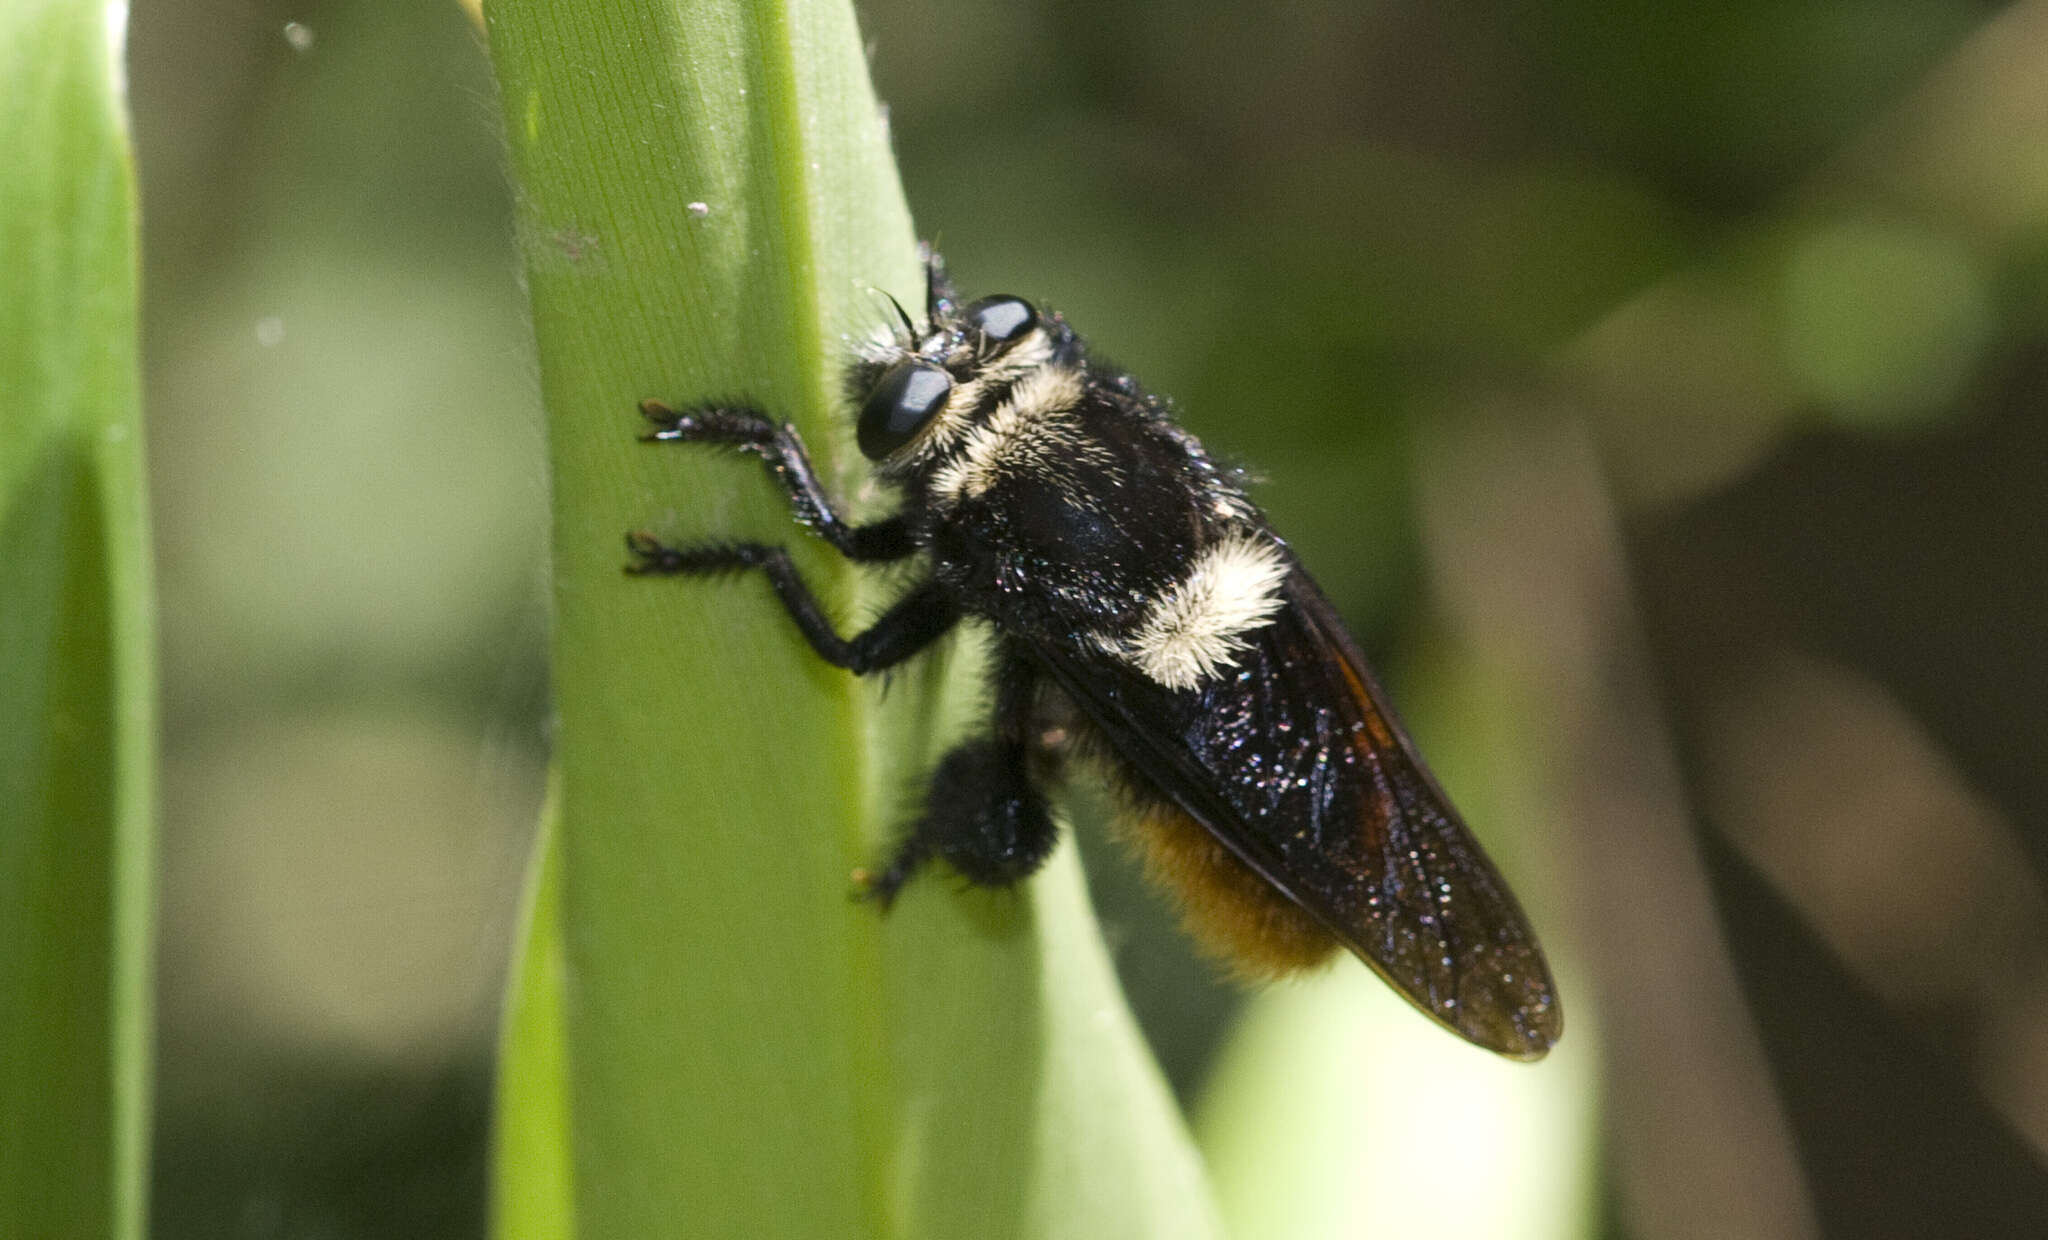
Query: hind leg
984, 813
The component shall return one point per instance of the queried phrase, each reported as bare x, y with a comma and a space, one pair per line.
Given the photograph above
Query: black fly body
1136, 594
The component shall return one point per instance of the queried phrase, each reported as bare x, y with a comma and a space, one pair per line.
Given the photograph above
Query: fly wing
1294, 761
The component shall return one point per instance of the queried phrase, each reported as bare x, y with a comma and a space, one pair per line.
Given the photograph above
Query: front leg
780, 447
916, 620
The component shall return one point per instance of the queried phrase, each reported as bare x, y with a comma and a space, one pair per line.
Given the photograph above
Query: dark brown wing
1295, 762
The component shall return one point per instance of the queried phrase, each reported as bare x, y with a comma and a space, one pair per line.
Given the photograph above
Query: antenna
909, 328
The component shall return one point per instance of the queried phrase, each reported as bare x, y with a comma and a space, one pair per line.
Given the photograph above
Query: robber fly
1139, 598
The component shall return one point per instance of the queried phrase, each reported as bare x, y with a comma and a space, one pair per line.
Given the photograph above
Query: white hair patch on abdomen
1197, 628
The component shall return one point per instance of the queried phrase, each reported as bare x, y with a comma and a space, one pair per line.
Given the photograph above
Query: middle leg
914, 622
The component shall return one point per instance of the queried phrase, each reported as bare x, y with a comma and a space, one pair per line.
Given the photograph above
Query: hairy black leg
983, 814
915, 621
789, 463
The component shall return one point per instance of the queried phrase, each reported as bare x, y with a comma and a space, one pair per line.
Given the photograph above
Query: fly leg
915, 621
984, 814
789, 464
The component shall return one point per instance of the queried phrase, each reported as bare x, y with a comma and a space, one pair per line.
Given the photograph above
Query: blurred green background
1659, 390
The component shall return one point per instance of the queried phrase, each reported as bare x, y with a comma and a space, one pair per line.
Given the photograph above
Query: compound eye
906, 398
1001, 320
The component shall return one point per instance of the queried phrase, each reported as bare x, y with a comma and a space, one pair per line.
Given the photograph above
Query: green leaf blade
707, 208
533, 1195
77, 679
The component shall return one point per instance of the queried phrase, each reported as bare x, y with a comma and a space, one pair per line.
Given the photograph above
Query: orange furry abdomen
1234, 915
